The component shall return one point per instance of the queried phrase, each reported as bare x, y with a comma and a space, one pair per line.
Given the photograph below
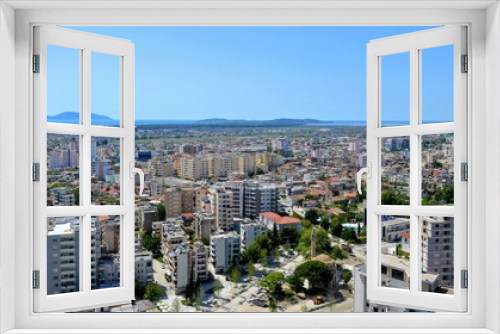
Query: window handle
360, 173
133, 171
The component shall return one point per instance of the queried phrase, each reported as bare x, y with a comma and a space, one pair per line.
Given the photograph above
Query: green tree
288, 249
323, 243
316, 272
251, 269
235, 274
312, 215
162, 214
197, 301
338, 253
306, 223
273, 282
217, 287
346, 276
288, 235
152, 244
349, 234
264, 257
325, 222
336, 227
273, 307
153, 291
139, 289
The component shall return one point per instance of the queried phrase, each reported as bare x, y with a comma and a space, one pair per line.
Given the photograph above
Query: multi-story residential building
148, 215
172, 235
250, 230
192, 168
221, 201
225, 248
438, 248
283, 147
181, 200
204, 224
187, 264
173, 202
143, 267
393, 228
62, 197
63, 254
260, 197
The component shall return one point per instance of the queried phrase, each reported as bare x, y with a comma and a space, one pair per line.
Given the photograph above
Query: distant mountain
279, 121
72, 117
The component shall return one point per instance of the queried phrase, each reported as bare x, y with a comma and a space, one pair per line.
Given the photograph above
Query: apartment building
180, 200
147, 215
173, 202
225, 248
187, 264
143, 267
172, 235
249, 231
221, 206
63, 254
393, 228
62, 197
204, 224
260, 197
438, 248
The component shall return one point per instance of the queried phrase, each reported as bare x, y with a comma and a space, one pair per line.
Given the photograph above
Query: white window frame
413, 43
86, 44
482, 18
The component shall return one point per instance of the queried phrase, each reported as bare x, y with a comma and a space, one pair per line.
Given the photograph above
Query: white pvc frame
414, 43
484, 101
86, 43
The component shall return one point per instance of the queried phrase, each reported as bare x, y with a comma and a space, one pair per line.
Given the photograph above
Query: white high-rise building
225, 248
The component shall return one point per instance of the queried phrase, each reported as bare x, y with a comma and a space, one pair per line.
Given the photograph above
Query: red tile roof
406, 235
277, 219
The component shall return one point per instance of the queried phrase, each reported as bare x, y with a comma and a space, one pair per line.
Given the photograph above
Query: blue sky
189, 73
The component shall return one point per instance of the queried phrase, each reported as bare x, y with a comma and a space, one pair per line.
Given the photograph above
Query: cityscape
250, 216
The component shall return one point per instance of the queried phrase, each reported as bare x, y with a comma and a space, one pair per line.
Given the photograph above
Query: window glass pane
395, 170
437, 84
63, 85
105, 248
63, 172
395, 89
437, 254
437, 169
395, 252
105, 89
63, 255
105, 155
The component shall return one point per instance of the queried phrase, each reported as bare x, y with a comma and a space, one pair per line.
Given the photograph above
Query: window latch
359, 174
139, 171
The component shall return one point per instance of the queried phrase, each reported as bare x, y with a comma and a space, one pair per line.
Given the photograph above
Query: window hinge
36, 63
465, 279
36, 172
464, 171
465, 64
36, 279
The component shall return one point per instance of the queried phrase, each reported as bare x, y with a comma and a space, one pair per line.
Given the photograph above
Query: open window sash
85, 296
413, 296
